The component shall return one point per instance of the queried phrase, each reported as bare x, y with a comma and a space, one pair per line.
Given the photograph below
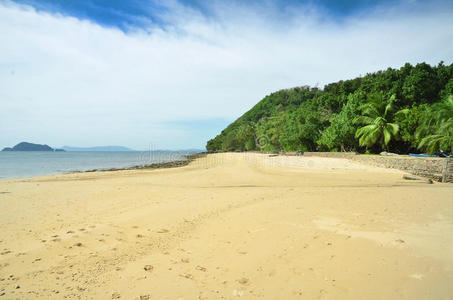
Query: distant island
24, 146
98, 148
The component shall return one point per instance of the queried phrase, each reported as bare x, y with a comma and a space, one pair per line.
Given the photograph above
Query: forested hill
405, 110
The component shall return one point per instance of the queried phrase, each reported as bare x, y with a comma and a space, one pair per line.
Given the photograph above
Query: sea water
14, 164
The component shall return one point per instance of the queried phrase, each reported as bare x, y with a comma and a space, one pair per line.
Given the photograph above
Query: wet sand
227, 226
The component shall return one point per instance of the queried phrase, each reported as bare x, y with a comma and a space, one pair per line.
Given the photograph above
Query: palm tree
437, 127
376, 116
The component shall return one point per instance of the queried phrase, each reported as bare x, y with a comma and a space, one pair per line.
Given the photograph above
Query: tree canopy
400, 110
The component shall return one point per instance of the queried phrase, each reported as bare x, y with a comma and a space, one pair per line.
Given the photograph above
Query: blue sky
174, 73
138, 13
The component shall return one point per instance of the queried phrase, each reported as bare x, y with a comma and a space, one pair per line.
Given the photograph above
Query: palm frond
387, 136
393, 128
363, 120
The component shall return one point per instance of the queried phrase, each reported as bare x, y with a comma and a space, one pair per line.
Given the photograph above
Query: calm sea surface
26, 164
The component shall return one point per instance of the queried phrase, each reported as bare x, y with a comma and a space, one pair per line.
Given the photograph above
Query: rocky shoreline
164, 165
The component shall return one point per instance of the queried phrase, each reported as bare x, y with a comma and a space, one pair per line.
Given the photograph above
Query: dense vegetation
405, 110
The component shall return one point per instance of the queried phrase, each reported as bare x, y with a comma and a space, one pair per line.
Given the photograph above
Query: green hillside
405, 110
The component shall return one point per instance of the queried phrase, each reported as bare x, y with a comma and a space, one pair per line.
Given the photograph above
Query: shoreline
162, 165
159, 165
427, 167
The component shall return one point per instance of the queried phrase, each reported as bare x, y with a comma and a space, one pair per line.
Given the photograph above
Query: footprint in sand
243, 281
187, 275
148, 268
298, 292
3, 266
200, 268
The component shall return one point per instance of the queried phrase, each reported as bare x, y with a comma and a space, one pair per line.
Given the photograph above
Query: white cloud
66, 81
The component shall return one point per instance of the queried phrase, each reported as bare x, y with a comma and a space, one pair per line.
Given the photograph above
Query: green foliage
311, 119
339, 135
437, 128
377, 116
409, 123
421, 84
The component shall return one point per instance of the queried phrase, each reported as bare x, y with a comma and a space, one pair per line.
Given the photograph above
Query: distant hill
97, 148
24, 146
313, 119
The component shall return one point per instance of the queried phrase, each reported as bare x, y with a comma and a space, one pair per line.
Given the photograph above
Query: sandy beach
227, 226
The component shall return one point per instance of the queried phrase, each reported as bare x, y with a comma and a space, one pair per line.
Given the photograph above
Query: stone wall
431, 167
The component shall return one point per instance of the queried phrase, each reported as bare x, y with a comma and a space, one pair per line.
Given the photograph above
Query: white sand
228, 226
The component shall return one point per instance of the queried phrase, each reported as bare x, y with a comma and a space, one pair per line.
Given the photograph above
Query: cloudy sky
174, 73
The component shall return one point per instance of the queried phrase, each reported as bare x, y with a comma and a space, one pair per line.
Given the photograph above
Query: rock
79, 244
385, 153
116, 296
413, 177
145, 297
